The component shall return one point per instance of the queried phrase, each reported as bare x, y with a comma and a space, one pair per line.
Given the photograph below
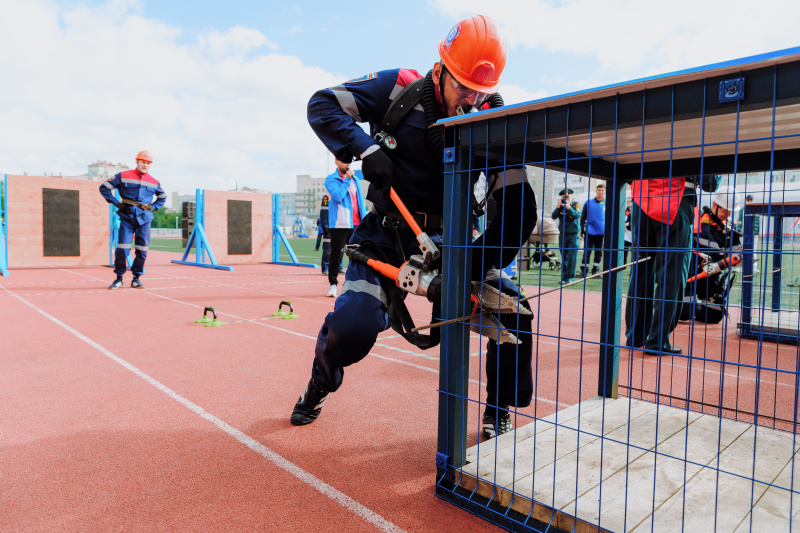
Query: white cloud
640, 37
85, 83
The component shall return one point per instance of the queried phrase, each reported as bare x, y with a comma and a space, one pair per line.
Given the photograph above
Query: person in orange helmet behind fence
137, 189
408, 157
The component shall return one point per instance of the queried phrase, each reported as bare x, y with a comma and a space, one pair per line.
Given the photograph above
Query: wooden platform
778, 322
703, 468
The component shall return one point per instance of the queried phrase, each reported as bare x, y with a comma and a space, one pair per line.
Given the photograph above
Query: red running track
120, 413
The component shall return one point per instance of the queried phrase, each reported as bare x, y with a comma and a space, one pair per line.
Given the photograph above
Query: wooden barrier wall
39, 240
218, 229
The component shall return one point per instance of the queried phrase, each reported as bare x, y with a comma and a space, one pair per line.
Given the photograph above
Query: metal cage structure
621, 433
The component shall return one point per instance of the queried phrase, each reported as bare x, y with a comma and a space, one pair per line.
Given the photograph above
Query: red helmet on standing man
144, 155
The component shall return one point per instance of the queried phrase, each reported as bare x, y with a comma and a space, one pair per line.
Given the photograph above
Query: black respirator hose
435, 136
495, 100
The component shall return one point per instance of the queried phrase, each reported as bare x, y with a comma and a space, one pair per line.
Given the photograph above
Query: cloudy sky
217, 90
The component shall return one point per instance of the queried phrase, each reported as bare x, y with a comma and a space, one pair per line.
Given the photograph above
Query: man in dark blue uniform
137, 189
323, 236
472, 59
568, 226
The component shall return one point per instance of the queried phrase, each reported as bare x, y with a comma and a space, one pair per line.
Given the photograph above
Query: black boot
308, 407
496, 421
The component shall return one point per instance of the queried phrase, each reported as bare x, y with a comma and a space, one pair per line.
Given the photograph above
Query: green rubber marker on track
286, 315
208, 321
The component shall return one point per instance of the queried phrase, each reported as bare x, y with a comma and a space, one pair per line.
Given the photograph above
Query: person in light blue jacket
345, 211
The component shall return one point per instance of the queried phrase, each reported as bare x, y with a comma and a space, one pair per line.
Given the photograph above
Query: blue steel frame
4, 227
747, 328
489, 133
114, 236
198, 238
279, 237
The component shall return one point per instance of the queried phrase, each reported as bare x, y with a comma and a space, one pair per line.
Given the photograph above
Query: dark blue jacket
334, 114
137, 187
418, 167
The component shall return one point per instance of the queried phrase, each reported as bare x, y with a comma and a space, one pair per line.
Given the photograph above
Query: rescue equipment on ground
210, 322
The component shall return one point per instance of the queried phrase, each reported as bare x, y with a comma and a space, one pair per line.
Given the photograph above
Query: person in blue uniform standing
345, 212
593, 226
472, 58
568, 226
137, 189
323, 235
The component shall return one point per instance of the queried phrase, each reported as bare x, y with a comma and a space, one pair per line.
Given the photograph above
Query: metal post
747, 269
454, 349
777, 245
611, 306
276, 216
4, 227
198, 221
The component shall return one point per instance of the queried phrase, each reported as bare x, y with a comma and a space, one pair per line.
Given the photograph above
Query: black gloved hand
583, 234
123, 209
378, 169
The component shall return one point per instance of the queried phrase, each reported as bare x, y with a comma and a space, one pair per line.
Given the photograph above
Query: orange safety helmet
144, 155
474, 52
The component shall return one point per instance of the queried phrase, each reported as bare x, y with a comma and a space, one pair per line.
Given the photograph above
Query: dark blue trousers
125, 241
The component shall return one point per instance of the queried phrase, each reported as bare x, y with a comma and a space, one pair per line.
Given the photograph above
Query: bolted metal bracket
731, 90
441, 461
449, 155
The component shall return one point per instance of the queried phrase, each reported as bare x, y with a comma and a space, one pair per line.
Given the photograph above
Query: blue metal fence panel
4, 227
278, 238
199, 241
114, 234
624, 432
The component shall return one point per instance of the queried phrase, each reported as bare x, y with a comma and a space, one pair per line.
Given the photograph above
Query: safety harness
146, 207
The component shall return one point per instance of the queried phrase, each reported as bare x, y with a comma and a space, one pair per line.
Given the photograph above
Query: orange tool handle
386, 269
725, 263
405, 212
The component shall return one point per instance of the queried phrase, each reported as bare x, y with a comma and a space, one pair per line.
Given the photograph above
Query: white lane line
306, 477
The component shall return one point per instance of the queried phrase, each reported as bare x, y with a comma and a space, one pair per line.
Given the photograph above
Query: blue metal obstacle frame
696, 122
761, 329
114, 237
278, 238
199, 240
4, 227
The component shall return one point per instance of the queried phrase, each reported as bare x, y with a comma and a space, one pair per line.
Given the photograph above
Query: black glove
379, 170
123, 209
583, 234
